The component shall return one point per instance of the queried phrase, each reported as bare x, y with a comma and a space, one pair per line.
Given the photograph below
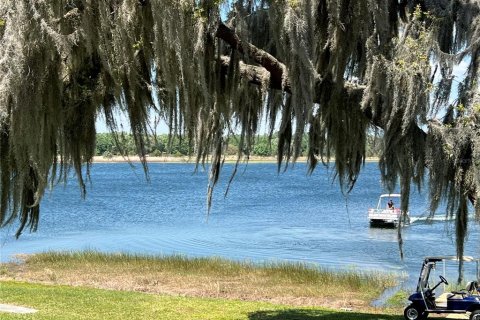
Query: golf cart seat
441, 301
472, 287
459, 294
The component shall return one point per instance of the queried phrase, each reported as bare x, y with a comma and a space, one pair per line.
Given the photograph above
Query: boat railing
395, 211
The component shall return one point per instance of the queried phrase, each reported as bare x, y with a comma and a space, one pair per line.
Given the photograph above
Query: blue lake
266, 217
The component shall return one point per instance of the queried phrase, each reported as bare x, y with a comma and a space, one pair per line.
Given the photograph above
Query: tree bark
277, 69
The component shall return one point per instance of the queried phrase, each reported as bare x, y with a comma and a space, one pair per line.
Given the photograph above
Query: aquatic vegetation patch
290, 283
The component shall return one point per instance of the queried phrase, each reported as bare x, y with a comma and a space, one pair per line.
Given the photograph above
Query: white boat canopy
392, 195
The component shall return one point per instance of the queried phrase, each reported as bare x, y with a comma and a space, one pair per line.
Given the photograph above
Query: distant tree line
107, 145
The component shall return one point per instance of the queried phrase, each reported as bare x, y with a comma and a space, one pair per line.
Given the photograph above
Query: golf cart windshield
425, 275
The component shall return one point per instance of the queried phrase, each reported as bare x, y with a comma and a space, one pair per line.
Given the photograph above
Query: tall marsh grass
291, 272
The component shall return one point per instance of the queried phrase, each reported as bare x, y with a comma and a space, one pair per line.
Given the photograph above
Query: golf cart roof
450, 258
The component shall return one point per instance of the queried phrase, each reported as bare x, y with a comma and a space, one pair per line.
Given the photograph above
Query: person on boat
390, 204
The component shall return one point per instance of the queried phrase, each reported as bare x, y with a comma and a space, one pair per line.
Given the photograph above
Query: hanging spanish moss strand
332, 69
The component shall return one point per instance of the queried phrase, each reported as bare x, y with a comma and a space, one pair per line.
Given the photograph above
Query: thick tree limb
278, 71
256, 75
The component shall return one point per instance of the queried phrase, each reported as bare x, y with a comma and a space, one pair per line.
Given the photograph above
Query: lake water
266, 217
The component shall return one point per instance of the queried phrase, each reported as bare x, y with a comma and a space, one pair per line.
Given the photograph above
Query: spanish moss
333, 70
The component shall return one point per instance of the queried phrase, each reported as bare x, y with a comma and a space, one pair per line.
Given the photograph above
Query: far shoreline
191, 160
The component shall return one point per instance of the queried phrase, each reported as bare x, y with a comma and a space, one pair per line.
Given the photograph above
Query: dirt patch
15, 309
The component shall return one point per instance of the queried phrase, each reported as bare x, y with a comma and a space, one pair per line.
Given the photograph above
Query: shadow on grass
306, 314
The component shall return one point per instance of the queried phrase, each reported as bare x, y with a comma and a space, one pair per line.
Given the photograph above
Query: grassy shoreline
276, 284
183, 159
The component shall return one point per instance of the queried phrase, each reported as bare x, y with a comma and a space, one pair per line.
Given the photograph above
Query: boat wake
428, 219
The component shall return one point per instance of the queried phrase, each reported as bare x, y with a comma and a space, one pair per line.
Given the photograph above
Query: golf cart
424, 300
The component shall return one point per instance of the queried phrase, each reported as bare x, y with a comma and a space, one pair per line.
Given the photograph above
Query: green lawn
66, 302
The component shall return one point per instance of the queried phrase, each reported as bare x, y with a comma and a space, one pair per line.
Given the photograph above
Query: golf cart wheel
413, 313
475, 315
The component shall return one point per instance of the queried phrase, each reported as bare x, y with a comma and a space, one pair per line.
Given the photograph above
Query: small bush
156, 153
107, 155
